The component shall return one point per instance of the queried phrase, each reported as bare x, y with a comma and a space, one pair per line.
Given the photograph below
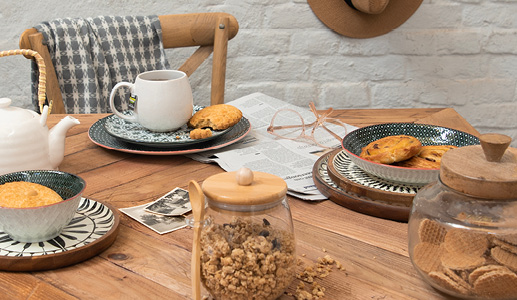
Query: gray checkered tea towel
91, 55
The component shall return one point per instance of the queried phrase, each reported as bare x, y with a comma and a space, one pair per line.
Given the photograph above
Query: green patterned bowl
427, 134
42, 223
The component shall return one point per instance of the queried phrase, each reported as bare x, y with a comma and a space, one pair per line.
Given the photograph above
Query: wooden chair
208, 31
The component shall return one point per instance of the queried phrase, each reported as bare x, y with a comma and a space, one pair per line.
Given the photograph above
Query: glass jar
247, 243
463, 228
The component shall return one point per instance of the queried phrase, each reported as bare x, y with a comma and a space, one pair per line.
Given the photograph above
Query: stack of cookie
405, 151
467, 263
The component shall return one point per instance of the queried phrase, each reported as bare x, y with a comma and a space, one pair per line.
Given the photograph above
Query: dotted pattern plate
427, 134
99, 136
132, 132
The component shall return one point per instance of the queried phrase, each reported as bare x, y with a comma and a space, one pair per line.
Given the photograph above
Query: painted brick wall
450, 53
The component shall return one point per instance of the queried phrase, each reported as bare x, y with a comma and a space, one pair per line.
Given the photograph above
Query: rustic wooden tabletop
142, 264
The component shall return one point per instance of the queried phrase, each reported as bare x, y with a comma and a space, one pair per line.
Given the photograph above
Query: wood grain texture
142, 264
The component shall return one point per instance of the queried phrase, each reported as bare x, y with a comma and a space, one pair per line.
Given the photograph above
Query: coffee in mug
163, 100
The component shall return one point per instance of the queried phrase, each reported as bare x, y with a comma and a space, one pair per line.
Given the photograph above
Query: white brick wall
451, 53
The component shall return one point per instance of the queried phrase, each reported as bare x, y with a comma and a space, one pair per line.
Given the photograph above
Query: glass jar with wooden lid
246, 244
463, 228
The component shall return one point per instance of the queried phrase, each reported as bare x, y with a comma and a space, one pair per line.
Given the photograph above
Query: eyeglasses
289, 124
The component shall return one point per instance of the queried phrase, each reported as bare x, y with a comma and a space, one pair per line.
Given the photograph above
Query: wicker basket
42, 73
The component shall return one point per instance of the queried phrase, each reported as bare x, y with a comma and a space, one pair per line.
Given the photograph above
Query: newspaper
291, 160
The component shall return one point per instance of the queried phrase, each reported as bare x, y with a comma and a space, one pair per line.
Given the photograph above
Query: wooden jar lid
244, 187
486, 171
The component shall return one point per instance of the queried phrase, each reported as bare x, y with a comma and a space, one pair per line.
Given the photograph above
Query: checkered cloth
92, 55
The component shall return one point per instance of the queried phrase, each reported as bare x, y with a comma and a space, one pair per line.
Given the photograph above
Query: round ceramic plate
427, 134
355, 202
92, 230
346, 168
132, 132
99, 136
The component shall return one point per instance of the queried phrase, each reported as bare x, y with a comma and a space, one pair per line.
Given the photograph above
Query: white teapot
26, 143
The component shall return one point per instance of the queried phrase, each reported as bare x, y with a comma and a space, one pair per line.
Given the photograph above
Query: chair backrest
210, 32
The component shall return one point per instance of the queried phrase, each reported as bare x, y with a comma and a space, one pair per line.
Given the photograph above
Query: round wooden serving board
372, 192
374, 207
92, 230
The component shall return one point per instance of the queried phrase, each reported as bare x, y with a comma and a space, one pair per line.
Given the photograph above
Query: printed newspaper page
291, 160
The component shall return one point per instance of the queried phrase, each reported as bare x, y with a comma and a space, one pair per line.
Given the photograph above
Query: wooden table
142, 264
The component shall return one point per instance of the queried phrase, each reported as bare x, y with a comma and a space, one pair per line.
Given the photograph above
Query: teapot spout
56, 139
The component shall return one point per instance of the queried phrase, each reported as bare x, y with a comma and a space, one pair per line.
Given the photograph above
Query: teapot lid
244, 187
486, 171
13, 115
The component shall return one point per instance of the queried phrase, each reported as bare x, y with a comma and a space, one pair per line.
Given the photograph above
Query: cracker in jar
391, 149
504, 257
431, 232
427, 257
457, 278
498, 284
21, 194
459, 261
463, 242
505, 245
478, 272
448, 283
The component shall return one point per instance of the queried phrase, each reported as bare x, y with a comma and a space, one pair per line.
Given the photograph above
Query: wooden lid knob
486, 171
244, 187
494, 145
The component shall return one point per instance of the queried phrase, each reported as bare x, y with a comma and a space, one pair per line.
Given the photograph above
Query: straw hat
363, 18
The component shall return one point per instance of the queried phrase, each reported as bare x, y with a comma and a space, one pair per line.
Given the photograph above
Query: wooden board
362, 204
64, 258
405, 199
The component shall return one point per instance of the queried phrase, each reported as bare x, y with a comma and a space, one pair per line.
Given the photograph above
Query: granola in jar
243, 259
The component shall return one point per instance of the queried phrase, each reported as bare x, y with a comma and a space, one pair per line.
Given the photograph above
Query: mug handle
132, 118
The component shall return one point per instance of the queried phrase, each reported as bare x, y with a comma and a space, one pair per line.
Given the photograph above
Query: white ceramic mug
163, 100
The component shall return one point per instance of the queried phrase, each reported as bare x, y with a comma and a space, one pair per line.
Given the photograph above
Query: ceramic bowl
42, 223
427, 134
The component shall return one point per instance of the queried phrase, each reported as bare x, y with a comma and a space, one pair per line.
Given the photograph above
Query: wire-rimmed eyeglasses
289, 124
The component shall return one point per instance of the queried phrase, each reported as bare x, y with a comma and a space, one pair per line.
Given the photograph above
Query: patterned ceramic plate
92, 230
427, 134
135, 133
99, 136
362, 204
344, 165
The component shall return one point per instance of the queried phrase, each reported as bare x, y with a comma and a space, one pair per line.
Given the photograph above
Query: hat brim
347, 21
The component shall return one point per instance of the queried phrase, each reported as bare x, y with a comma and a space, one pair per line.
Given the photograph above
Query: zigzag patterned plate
92, 230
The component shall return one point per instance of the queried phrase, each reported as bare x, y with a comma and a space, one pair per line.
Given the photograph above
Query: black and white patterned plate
352, 172
133, 132
361, 204
91, 222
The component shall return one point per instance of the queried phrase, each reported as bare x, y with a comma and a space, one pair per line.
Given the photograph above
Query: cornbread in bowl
354, 142
31, 210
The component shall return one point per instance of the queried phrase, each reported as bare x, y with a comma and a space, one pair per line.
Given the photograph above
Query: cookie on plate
430, 157
217, 117
418, 163
434, 153
200, 133
392, 149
